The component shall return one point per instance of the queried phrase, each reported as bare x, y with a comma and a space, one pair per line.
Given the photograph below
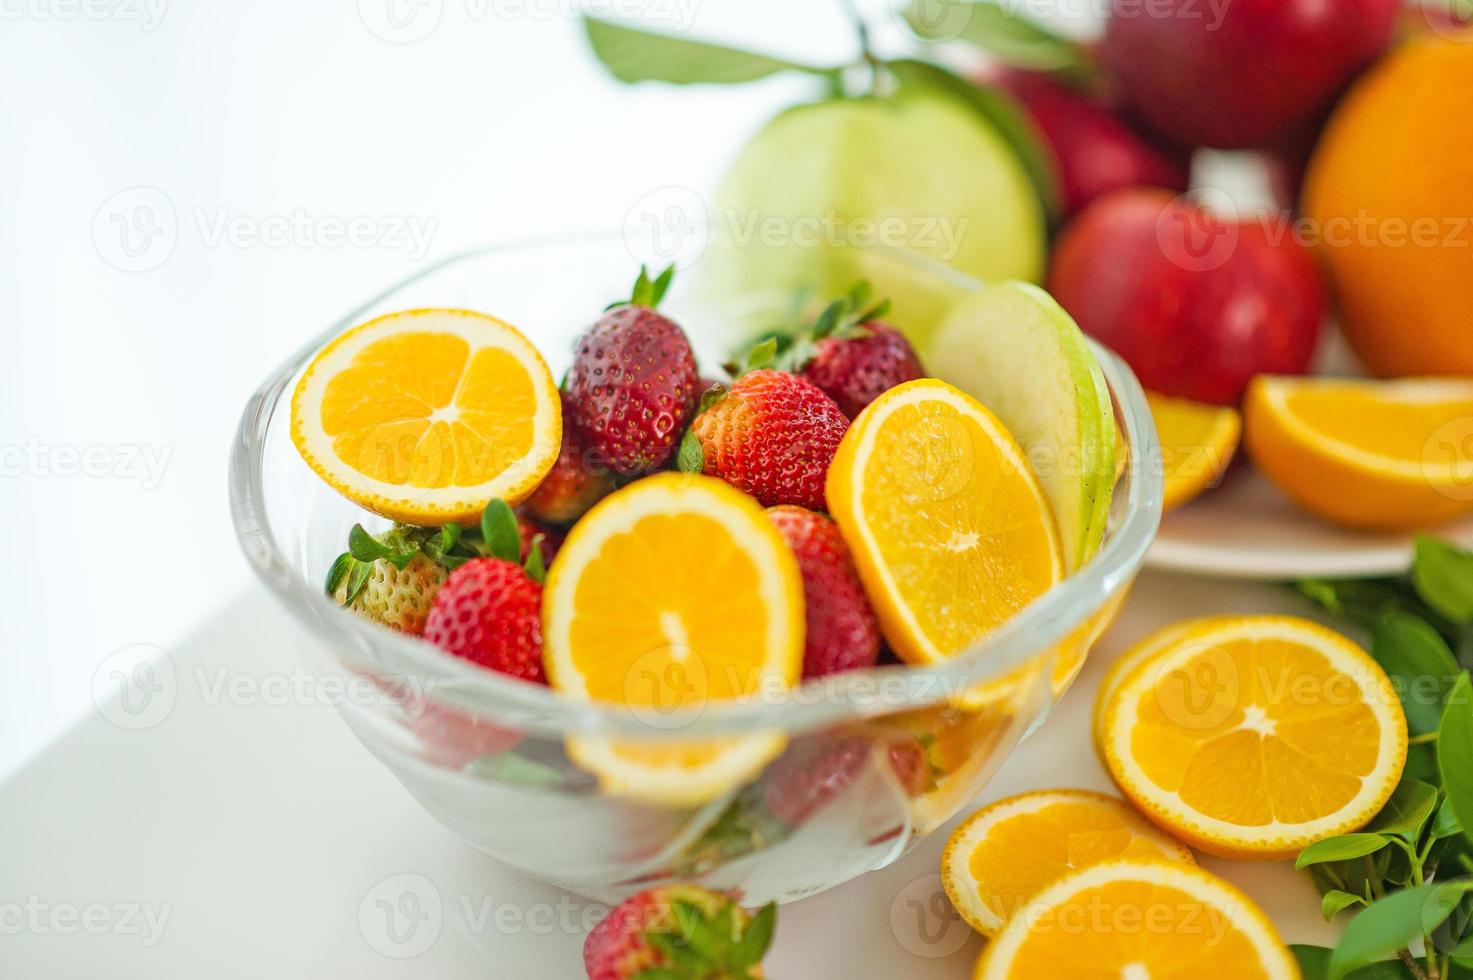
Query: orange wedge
1256, 736
1197, 444
1006, 853
426, 416
1138, 919
949, 527
669, 594
1382, 455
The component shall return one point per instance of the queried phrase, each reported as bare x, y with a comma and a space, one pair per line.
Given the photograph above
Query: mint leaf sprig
1410, 872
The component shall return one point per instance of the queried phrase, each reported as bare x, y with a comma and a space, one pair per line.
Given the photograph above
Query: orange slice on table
1006, 853
1256, 736
1197, 444
426, 416
1139, 919
950, 530
669, 594
1387, 455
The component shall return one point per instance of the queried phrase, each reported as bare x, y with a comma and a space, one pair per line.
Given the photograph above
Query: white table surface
244, 837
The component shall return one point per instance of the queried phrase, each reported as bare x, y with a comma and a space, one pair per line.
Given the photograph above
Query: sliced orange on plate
948, 525
1006, 853
1138, 919
425, 416
1381, 455
670, 594
1197, 444
1256, 735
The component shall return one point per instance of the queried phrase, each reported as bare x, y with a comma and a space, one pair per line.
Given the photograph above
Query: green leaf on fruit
1455, 752
757, 937
1007, 36
634, 55
357, 579
449, 537
364, 546
691, 458
999, 110
647, 292
1443, 576
340, 568
500, 532
534, 566
1342, 848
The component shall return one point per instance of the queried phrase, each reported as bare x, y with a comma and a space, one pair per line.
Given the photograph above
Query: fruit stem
866, 52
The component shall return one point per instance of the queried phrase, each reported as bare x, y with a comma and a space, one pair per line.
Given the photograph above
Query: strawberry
853, 356
812, 773
489, 611
632, 387
391, 579
679, 932
771, 435
842, 632
577, 481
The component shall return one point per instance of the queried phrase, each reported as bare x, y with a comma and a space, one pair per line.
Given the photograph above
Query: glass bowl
872, 759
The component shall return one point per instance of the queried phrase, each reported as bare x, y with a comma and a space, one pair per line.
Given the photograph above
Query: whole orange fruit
1389, 195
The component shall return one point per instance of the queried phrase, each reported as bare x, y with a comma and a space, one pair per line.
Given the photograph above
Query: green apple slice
1015, 350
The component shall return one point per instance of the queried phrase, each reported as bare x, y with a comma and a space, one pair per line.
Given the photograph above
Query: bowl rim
819, 703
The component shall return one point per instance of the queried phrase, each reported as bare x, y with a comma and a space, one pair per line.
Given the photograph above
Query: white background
173, 138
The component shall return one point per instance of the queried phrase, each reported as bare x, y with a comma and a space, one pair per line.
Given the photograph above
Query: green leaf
1314, 964
1005, 35
1446, 823
1341, 848
1420, 666
711, 396
757, 937
534, 566
633, 55
1455, 753
357, 579
1422, 764
1443, 576
508, 767
449, 537
340, 567
364, 546
1393, 923
1408, 810
499, 530
1334, 902
691, 457
1002, 112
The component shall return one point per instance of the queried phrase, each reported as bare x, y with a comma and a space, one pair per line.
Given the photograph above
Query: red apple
1196, 304
1094, 150
1239, 73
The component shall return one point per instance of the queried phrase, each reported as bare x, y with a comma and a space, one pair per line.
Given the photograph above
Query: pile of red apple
1196, 301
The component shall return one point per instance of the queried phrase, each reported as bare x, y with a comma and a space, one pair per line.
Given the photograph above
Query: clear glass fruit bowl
871, 759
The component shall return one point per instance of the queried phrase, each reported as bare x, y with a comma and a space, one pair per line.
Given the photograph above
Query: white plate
1247, 529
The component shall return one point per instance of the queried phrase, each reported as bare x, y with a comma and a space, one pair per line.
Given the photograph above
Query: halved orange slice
1256, 735
1137, 919
1006, 853
949, 527
1197, 444
669, 594
427, 415
1388, 455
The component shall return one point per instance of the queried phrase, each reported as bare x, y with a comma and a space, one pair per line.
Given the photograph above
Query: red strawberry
811, 774
842, 632
577, 481
680, 931
632, 387
489, 611
854, 357
772, 435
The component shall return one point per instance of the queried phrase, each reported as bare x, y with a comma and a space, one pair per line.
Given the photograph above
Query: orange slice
669, 594
1006, 853
1256, 736
426, 416
1388, 455
949, 527
1197, 444
1139, 919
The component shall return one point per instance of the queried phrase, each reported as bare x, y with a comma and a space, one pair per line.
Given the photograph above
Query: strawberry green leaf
691, 458
364, 546
499, 531
757, 937
357, 579
449, 537
535, 568
711, 396
633, 55
340, 568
